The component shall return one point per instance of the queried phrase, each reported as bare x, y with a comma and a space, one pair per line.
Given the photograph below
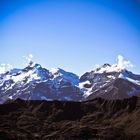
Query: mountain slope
118, 84
95, 119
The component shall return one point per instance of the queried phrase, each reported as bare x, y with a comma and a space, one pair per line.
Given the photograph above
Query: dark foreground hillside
96, 120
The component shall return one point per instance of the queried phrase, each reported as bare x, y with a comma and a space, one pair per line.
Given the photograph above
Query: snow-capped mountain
110, 82
37, 83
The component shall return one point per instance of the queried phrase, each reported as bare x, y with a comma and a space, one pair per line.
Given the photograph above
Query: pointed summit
121, 65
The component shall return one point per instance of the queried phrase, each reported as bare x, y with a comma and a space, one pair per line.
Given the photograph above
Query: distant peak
54, 70
36, 65
106, 65
120, 66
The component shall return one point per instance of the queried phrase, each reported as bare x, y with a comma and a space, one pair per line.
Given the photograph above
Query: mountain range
37, 83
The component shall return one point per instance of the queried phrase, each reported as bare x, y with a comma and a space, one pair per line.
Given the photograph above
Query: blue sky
71, 34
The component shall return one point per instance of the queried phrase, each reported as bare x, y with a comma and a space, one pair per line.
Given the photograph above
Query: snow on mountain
122, 64
67, 76
104, 81
108, 81
123, 76
37, 83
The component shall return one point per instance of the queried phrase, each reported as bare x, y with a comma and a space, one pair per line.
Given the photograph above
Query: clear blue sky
70, 34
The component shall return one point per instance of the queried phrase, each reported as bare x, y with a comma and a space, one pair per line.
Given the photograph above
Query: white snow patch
129, 79
88, 92
33, 76
10, 97
103, 85
111, 77
54, 70
81, 85
21, 76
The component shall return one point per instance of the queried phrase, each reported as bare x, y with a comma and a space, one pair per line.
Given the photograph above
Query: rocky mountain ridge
37, 83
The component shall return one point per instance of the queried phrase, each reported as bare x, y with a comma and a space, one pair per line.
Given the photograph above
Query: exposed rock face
95, 119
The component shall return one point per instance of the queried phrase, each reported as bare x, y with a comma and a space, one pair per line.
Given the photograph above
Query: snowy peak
110, 82
106, 68
63, 75
115, 71
121, 65
37, 83
31, 72
34, 72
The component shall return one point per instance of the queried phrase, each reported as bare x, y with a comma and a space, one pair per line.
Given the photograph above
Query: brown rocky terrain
98, 119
